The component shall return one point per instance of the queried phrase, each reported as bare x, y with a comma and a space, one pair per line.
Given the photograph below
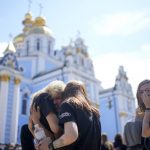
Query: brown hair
75, 92
138, 94
118, 139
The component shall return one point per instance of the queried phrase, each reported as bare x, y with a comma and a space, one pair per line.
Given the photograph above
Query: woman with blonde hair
79, 119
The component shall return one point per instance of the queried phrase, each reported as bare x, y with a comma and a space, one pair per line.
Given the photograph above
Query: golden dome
40, 30
27, 19
39, 21
19, 38
28, 15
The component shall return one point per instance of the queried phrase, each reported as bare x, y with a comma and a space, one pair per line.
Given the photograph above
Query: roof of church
10, 47
19, 38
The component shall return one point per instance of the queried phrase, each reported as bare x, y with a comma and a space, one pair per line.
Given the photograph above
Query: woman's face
146, 88
57, 101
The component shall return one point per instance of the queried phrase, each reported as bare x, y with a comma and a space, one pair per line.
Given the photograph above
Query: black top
26, 138
104, 147
89, 128
120, 146
147, 143
46, 105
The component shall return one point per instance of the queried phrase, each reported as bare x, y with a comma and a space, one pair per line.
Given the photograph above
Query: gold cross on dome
29, 5
41, 7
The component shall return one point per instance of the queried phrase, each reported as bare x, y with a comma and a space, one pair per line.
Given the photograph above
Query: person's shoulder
129, 123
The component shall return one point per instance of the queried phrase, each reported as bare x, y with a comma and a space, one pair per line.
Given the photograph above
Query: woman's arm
35, 118
70, 135
53, 123
146, 126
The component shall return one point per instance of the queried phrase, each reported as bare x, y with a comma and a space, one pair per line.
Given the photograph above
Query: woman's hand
35, 114
43, 145
146, 99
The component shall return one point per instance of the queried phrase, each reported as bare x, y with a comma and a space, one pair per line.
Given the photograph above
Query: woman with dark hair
79, 119
118, 143
44, 113
143, 96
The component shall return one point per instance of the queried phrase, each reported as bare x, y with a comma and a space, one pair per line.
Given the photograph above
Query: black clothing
103, 147
119, 146
147, 143
89, 128
45, 102
26, 138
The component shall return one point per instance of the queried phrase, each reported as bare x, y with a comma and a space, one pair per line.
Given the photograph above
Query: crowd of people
62, 117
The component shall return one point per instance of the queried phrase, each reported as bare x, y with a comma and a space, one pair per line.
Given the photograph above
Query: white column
15, 112
4, 79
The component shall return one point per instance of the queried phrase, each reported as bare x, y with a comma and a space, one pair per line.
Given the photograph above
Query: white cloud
120, 24
3, 46
106, 68
145, 49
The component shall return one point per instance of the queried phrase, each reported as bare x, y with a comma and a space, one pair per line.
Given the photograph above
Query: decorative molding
4, 77
17, 80
123, 114
78, 50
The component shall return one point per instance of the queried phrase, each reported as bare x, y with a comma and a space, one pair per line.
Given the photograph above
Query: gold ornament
123, 114
17, 80
4, 77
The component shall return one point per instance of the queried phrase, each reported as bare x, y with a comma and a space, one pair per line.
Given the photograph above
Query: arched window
55, 52
27, 47
82, 61
49, 47
38, 44
24, 104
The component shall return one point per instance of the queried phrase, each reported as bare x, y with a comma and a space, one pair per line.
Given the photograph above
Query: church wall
42, 82
50, 66
26, 65
40, 85
109, 115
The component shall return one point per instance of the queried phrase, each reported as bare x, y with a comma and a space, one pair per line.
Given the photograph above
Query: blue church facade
117, 105
30, 62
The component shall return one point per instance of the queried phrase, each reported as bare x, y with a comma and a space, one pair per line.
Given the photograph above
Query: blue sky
117, 32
